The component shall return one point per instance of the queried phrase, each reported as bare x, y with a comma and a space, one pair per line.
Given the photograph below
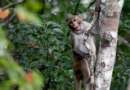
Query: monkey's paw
98, 9
87, 56
107, 39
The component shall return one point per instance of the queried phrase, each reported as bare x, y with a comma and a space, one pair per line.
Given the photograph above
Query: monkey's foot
98, 9
93, 86
107, 39
87, 56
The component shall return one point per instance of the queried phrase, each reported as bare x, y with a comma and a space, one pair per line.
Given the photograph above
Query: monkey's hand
87, 56
78, 53
107, 39
98, 9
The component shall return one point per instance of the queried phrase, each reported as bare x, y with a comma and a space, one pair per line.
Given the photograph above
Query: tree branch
77, 5
11, 4
47, 85
91, 4
124, 41
7, 21
7, 1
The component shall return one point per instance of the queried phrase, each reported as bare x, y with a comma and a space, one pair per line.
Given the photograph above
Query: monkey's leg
78, 84
86, 74
87, 85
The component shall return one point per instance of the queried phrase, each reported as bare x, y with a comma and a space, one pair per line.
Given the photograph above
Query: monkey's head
74, 23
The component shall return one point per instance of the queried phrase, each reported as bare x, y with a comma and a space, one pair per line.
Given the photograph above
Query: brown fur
81, 69
81, 65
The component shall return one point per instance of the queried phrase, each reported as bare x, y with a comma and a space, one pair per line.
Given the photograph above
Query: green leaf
27, 16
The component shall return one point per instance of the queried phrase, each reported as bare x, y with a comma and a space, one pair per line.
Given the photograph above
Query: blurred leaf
4, 13
26, 16
30, 5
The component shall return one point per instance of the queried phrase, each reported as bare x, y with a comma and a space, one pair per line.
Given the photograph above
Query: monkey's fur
80, 52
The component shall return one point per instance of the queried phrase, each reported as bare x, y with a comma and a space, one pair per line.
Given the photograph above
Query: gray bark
107, 49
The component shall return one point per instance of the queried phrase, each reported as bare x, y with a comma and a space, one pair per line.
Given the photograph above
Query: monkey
80, 53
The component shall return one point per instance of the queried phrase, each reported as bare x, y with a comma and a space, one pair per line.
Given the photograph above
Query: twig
3, 24
77, 5
11, 4
91, 4
47, 85
124, 41
11, 9
7, 1
96, 16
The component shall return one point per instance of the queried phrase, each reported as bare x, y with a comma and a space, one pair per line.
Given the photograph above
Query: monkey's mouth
77, 28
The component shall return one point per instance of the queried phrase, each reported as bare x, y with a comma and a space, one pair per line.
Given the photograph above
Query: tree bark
108, 43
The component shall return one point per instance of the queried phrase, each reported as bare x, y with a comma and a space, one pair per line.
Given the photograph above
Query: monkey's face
74, 23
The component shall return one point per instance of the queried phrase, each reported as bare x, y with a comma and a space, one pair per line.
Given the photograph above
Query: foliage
41, 42
11, 73
122, 65
43, 50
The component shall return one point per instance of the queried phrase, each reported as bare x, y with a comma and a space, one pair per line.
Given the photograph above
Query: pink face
75, 25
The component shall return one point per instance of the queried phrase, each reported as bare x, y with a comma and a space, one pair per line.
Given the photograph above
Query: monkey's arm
96, 29
81, 54
78, 52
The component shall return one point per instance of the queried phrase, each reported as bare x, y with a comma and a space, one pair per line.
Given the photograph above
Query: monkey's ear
80, 16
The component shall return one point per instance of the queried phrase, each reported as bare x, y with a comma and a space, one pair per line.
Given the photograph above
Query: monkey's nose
74, 24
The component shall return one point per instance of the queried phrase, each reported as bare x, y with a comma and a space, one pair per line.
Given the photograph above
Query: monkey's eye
70, 22
74, 20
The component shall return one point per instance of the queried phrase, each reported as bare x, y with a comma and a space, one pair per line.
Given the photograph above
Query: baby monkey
80, 53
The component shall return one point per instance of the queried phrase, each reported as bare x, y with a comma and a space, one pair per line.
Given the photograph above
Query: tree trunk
107, 50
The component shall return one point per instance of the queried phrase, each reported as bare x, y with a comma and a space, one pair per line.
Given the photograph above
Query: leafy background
38, 39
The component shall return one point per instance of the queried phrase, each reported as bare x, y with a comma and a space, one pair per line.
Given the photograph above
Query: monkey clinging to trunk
81, 54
